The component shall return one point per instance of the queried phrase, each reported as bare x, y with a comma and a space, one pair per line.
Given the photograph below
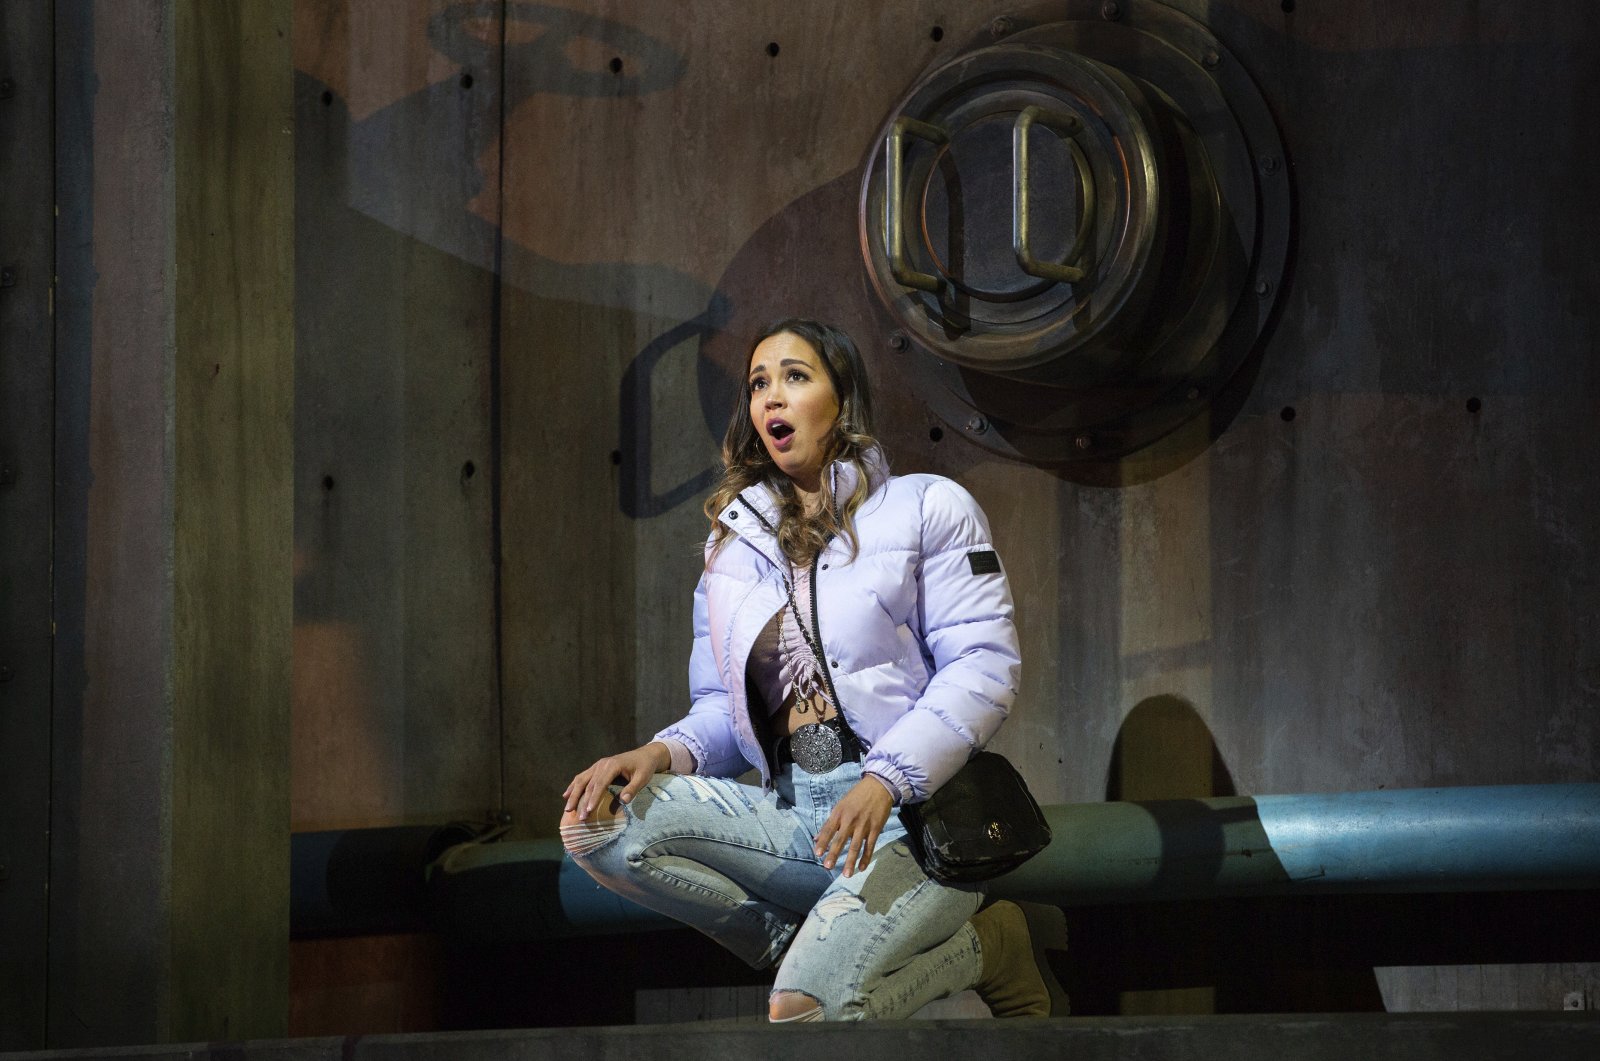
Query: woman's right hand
632, 768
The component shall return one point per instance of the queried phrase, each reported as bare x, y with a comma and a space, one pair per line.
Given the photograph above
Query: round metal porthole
1079, 227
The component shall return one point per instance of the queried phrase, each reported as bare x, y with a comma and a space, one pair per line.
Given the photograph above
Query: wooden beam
169, 872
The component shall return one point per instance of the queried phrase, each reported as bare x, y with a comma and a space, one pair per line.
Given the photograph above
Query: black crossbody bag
981, 823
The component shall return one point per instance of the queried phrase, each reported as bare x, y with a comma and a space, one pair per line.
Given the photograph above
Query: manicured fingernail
627, 797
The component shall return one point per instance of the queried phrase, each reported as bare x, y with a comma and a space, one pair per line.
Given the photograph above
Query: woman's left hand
853, 827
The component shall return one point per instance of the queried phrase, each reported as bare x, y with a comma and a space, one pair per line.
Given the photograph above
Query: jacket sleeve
707, 730
965, 614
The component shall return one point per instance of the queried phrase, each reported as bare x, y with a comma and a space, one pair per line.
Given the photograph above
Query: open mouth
779, 431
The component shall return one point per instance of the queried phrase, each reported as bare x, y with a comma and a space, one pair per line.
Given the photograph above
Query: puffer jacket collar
753, 515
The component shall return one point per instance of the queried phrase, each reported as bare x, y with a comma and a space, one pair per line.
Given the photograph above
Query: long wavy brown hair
745, 460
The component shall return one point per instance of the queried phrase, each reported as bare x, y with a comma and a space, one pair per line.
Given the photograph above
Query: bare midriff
796, 713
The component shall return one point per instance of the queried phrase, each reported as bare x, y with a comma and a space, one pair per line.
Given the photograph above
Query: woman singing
853, 642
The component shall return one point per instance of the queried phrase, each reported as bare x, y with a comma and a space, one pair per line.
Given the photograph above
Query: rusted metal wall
397, 112
1381, 573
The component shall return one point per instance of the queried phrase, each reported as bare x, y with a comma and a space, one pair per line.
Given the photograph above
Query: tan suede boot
1016, 980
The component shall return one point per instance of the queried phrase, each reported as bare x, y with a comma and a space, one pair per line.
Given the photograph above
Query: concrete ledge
1372, 1037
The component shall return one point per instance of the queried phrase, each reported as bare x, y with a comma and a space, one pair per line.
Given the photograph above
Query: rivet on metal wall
327, 482
1111, 10
468, 470
1001, 26
1473, 405
1263, 288
772, 49
936, 34
1083, 442
1287, 414
616, 64
1269, 163
616, 456
466, 80
978, 425
327, 99
1211, 58
935, 434
898, 341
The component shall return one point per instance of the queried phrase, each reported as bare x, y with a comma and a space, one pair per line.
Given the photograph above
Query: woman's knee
797, 1007
666, 804
583, 835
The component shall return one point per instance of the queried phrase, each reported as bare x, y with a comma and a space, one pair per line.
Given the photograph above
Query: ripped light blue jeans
738, 864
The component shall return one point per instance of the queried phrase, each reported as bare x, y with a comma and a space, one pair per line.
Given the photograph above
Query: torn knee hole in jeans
789, 1006
831, 909
580, 838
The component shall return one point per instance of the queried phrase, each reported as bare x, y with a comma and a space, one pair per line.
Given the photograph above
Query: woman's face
792, 405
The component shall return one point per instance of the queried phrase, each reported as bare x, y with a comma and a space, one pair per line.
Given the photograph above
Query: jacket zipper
849, 734
816, 624
769, 781
816, 628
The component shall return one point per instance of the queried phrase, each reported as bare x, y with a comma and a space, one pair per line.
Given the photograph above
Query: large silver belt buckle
816, 748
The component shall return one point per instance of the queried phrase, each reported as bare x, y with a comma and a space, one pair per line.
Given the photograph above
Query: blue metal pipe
1515, 837
1496, 838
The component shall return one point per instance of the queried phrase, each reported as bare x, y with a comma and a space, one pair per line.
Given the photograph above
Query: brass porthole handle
894, 232
1070, 126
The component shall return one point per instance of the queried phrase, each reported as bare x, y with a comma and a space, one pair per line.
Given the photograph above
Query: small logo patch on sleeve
985, 563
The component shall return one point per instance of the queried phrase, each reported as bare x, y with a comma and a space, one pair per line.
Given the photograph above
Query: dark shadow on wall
1164, 750
636, 493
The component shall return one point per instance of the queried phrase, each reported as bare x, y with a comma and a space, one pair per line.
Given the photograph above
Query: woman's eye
796, 376
757, 384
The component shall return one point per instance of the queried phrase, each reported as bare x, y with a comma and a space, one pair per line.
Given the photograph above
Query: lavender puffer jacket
920, 644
